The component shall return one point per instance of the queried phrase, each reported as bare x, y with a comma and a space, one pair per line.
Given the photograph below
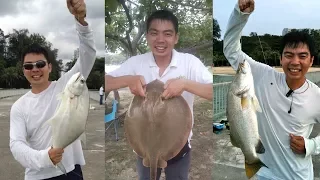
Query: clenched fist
246, 6
77, 8
55, 155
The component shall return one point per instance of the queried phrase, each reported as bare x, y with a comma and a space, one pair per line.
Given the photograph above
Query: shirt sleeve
200, 72
21, 151
87, 55
312, 146
125, 69
232, 46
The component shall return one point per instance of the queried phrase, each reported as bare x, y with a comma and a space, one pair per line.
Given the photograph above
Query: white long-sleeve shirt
275, 123
29, 142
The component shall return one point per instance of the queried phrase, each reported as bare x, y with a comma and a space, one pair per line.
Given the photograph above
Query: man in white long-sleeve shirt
287, 100
30, 143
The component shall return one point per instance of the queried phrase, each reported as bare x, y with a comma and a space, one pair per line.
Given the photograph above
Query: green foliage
96, 76
265, 48
126, 31
11, 74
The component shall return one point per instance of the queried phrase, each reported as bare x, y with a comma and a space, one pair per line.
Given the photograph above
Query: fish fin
233, 142
162, 163
62, 168
252, 169
260, 148
146, 162
83, 139
256, 104
244, 103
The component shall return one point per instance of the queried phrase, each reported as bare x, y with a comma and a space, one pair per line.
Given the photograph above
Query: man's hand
137, 85
173, 87
55, 155
246, 6
77, 8
297, 144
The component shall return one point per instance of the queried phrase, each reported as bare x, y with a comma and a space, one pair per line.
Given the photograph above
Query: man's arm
199, 89
25, 155
114, 83
232, 46
87, 52
135, 83
199, 81
312, 146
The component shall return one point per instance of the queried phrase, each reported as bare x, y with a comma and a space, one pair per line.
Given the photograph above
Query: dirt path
121, 160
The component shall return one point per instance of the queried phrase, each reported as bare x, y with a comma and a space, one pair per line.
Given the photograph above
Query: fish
69, 120
155, 128
242, 108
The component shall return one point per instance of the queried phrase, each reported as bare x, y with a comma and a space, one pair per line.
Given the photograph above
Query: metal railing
220, 91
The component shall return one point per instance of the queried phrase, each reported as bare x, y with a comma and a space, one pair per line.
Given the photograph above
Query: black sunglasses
38, 64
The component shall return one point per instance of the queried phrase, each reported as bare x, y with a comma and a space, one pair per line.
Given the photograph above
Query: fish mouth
82, 80
79, 75
241, 67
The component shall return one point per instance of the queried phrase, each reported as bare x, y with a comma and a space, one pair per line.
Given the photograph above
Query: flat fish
157, 129
69, 121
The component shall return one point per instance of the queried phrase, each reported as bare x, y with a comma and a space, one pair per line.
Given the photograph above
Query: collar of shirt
173, 63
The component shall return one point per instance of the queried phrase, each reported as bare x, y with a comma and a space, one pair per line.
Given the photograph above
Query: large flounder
242, 105
69, 120
157, 129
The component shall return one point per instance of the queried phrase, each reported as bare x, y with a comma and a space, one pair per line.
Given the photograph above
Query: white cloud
51, 18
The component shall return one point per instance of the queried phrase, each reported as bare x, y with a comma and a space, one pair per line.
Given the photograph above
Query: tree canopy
126, 26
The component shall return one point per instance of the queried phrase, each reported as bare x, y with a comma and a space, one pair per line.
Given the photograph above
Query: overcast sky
272, 16
52, 19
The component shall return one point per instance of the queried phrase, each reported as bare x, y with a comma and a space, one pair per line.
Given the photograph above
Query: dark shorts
177, 167
76, 174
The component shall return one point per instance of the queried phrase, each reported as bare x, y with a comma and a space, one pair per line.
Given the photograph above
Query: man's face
296, 61
39, 74
161, 37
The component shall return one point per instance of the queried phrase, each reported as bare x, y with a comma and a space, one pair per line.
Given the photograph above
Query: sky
271, 16
52, 19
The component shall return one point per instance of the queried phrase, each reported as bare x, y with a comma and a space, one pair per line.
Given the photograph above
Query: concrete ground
94, 169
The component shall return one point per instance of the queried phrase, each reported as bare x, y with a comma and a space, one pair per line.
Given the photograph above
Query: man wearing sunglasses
30, 142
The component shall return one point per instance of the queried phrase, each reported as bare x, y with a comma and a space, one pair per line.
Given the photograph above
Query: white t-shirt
29, 142
182, 64
101, 91
275, 123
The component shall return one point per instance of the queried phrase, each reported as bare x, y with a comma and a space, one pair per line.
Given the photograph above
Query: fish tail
61, 167
153, 169
252, 169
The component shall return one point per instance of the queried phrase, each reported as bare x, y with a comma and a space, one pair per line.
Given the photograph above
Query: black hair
37, 49
163, 15
294, 39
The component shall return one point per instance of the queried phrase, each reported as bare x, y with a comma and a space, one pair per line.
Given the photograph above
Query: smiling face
38, 76
161, 37
296, 61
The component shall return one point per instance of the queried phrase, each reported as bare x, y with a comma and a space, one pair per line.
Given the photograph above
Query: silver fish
242, 105
69, 121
